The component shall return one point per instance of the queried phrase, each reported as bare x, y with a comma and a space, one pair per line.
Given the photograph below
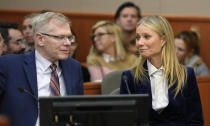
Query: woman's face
103, 41
180, 49
148, 42
27, 30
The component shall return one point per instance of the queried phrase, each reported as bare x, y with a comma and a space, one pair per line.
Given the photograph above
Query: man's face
128, 19
16, 43
54, 45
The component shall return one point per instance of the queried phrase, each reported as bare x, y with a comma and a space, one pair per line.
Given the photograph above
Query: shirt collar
43, 63
108, 58
152, 69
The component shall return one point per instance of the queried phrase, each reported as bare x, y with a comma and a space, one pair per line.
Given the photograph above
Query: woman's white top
159, 87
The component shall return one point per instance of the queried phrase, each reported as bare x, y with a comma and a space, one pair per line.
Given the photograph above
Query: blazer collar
147, 82
30, 71
171, 91
68, 75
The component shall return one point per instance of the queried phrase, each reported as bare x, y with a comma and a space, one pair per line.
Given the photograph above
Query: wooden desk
4, 121
92, 88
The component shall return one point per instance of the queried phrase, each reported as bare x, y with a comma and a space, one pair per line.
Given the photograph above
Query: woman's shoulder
195, 61
199, 66
128, 73
93, 59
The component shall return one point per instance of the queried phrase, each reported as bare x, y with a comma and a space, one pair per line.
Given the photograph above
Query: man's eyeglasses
99, 35
61, 37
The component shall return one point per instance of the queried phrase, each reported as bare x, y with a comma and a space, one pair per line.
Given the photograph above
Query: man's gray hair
40, 22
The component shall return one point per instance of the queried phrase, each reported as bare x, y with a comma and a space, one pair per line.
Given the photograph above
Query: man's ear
40, 39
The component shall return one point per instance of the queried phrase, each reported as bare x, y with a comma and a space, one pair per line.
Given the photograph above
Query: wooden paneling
82, 23
204, 88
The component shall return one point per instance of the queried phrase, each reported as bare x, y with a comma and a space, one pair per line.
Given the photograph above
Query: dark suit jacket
20, 71
184, 110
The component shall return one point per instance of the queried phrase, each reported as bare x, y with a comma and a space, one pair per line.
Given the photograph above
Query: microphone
22, 90
125, 78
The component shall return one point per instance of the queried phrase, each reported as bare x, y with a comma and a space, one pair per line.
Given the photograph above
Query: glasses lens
72, 39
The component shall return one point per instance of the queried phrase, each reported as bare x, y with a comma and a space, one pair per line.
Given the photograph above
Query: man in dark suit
32, 72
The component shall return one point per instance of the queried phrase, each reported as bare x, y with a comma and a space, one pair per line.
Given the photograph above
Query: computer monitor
94, 110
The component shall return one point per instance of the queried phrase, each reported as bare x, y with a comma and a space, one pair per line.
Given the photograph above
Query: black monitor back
94, 110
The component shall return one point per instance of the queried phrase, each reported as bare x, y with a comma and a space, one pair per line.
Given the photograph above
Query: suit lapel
171, 92
67, 76
30, 71
147, 84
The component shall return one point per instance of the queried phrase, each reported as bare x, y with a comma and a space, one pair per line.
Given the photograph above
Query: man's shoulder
71, 61
12, 58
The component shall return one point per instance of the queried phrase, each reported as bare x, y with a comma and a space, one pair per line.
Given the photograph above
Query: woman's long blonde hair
173, 71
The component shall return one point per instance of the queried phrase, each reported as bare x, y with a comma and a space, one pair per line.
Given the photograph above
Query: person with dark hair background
4, 33
13, 38
188, 49
16, 43
127, 16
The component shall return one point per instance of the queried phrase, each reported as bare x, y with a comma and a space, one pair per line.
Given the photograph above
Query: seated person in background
72, 53
2, 45
127, 16
28, 33
107, 53
172, 88
4, 39
13, 38
188, 49
16, 43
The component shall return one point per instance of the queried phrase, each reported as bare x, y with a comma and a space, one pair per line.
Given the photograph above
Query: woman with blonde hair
171, 86
107, 53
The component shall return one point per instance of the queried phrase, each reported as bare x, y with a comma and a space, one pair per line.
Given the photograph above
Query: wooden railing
92, 88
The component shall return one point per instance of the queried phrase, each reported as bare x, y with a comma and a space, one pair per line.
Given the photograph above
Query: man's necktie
54, 81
